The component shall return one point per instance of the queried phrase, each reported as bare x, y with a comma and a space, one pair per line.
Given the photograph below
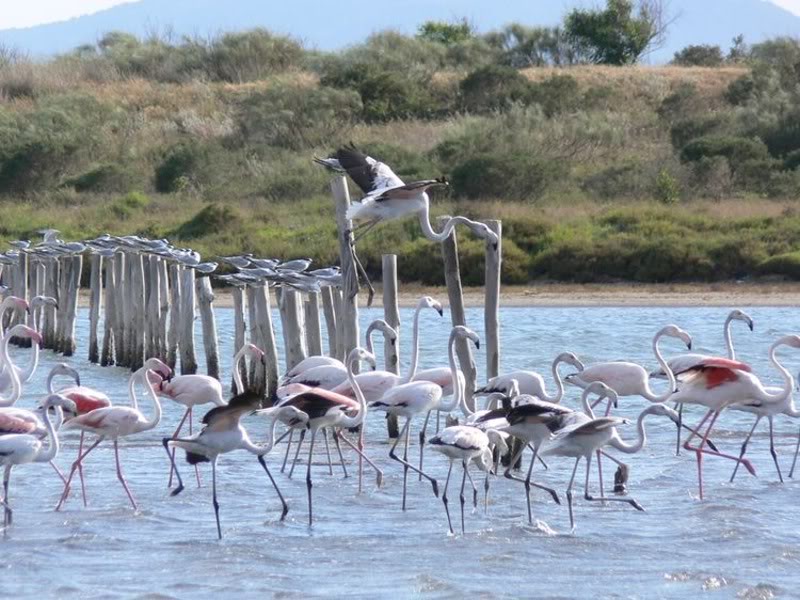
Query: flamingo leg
378, 472
569, 494
590, 498
529, 483
80, 472
474, 489
74, 468
214, 495
275, 485
422, 441
175, 434
600, 475
339, 451
679, 407
309, 485
288, 447
486, 493
8, 514
744, 447
121, 477
196, 468
444, 497
297, 451
361, 436
363, 229
621, 476
773, 452
406, 465
461, 495
509, 475
794, 460
171, 456
327, 450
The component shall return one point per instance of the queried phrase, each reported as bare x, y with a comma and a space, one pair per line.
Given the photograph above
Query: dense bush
128, 205
558, 93
736, 149
212, 219
493, 87
181, 166
504, 176
699, 55
106, 177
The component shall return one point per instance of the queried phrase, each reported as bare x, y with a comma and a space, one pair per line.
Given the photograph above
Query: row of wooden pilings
148, 304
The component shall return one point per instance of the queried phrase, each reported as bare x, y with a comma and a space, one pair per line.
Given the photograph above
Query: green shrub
493, 87
683, 101
667, 188
792, 160
556, 94
741, 90
784, 137
238, 57
504, 176
125, 207
212, 219
787, 265
699, 55
617, 182
180, 167
736, 149
684, 130
107, 177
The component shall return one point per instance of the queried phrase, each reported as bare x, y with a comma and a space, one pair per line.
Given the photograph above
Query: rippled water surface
742, 541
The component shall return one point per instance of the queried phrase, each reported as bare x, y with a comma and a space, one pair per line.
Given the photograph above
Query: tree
699, 55
739, 50
615, 35
444, 33
522, 46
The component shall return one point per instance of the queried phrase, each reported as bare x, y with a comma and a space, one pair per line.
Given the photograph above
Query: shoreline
594, 294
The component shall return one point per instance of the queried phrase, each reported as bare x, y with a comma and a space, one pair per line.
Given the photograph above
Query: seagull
297, 265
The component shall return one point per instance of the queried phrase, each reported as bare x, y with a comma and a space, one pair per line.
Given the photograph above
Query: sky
24, 13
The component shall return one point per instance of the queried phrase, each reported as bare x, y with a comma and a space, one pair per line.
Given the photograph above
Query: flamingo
196, 390
26, 374
532, 383
11, 303
114, 422
322, 408
23, 448
20, 331
223, 433
581, 440
717, 383
463, 443
415, 397
682, 362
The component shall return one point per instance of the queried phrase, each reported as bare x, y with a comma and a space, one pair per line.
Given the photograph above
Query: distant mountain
331, 25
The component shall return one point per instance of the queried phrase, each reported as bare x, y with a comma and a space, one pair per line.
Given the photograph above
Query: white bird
20, 448
21, 331
532, 383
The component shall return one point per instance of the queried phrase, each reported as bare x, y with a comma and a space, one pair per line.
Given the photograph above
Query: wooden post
50, 312
491, 309
164, 297
95, 285
137, 314
348, 324
205, 300
109, 316
266, 335
240, 331
313, 326
256, 377
292, 318
40, 276
65, 266
120, 307
152, 304
188, 357
452, 276
330, 319
21, 291
391, 314
173, 335
340, 336
71, 301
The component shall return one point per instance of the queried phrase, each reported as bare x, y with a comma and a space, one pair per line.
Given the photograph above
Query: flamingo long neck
370, 347
556, 398
648, 393
349, 422
237, 372
5, 361
261, 449
792, 410
478, 229
788, 380
156, 418
458, 390
132, 388
587, 407
412, 369
8, 302
729, 338
52, 437
641, 439
26, 375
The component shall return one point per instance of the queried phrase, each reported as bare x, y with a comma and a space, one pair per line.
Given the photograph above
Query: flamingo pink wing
12, 424
724, 363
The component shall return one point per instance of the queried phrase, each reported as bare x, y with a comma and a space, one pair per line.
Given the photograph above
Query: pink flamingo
718, 383
114, 422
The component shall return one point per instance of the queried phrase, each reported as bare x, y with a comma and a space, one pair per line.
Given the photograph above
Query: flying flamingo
532, 383
322, 408
196, 390
416, 397
582, 440
463, 443
223, 433
114, 422
22, 448
718, 383
681, 362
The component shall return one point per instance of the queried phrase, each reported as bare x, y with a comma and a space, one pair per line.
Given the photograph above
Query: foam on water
743, 540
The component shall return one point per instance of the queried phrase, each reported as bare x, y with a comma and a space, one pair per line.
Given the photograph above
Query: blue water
742, 541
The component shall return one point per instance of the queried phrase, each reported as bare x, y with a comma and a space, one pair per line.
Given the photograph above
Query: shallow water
741, 542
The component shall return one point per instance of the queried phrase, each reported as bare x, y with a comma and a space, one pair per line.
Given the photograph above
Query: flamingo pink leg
80, 472
74, 468
174, 436
121, 477
196, 468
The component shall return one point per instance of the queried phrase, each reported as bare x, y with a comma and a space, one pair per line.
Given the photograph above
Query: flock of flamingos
323, 395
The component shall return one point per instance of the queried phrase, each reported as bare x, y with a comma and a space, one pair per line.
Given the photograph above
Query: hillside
329, 25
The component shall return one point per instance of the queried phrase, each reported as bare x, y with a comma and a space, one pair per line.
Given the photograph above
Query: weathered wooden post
40, 276
95, 299
65, 266
164, 298
205, 300
121, 304
73, 289
312, 323
50, 319
239, 333
492, 303
452, 276
152, 305
257, 377
109, 316
266, 337
188, 357
330, 318
347, 321
173, 335
292, 319
21, 291
391, 314
138, 310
